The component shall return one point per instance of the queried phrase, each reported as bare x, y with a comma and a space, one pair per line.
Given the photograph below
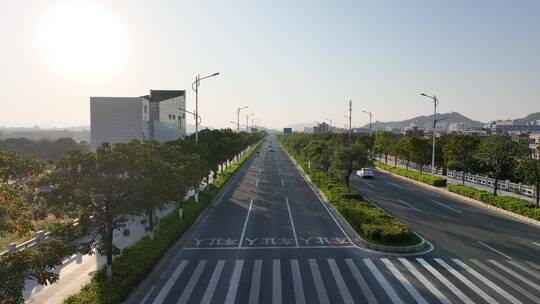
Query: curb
160, 268
444, 190
359, 241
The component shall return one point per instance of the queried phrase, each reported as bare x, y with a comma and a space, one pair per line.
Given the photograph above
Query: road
270, 239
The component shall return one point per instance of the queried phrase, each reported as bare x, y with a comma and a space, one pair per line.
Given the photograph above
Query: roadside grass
417, 176
370, 222
137, 260
508, 203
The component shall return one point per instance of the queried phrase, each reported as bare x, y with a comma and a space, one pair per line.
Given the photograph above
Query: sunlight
83, 41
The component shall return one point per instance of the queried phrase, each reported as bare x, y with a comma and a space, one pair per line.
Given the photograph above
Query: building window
169, 116
145, 109
174, 117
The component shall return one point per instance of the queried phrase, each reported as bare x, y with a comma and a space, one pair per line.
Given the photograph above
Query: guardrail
505, 185
43, 235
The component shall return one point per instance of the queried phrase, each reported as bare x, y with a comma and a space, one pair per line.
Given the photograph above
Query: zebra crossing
350, 280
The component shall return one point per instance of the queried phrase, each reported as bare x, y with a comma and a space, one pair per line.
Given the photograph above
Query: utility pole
350, 121
370, 115
247, 121
435, 104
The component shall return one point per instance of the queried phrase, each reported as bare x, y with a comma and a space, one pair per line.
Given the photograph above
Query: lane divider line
495, 250
445, 206
411, 206
245, 224
292, 222
537, 244
282, 183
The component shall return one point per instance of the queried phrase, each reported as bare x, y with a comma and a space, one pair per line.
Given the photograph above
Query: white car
365, 172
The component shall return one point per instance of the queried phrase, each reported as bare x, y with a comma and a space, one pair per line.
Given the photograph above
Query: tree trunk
395, 162
347, 178
496, 184
109, 246
151, 223
407, 166
181, 213
385, 159
463, 177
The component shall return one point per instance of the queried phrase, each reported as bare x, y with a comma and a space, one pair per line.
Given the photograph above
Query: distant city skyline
290, 62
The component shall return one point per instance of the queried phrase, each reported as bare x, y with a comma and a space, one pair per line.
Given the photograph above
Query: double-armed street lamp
238, 117
195, 87
435, 104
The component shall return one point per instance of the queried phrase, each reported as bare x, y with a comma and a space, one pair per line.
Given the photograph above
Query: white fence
505, 185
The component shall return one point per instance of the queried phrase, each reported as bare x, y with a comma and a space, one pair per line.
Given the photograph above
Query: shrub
508, 203
417, 176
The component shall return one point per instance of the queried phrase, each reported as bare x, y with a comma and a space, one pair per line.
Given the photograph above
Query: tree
97, 189
383, 143
459, 154
403, 150
319, 152
529, 169
420, 151
347, 158
498, 154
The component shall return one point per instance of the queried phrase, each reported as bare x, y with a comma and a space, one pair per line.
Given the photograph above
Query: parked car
365, 173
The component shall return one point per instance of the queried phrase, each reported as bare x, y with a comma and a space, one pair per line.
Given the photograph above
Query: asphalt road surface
271, 240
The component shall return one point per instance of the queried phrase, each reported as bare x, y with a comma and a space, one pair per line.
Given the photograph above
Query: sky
289, 61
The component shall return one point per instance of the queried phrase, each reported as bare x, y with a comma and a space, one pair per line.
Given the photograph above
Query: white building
159, 116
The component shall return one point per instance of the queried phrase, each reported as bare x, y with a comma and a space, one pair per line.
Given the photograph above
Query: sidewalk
77, 270
458, 181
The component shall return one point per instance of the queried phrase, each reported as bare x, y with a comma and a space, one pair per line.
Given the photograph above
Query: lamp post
435, 104
238, 117
195, 87
370, 115
252, 121
247, 121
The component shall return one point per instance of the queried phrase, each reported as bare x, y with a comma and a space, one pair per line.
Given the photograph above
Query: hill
452, 119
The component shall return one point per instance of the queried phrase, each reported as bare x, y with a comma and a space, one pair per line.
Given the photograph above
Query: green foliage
509, 203
459, 153
421, 177
45, 149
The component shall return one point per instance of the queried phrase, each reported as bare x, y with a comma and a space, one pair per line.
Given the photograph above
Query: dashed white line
537, 244
411, 206
445, 206
257, 182
292, 222
245, 224
394, 184
495, 250
282, 183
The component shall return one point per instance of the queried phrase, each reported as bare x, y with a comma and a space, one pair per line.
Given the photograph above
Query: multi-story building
159, 116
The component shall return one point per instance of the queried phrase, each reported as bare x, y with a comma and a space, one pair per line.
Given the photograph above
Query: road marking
269, 247
395, 185
533, 264
484, 280
436, 292
211, 289
527, 270
279, 170
276, 282
342, 287
516, 275
172, 279
255, 282
233, 285
445, 206
383, 282
368, 294
282, 183
257, 182
445, 281
245, 224
537, 244
192, 282
297, 283
368, 183
495, 250
411, 206
507, 281
403, 280
292, 222
317, 279
466, 281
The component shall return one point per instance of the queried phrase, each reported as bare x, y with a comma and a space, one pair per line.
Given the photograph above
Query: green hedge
417, 176
137, 260
509, 203
370, 222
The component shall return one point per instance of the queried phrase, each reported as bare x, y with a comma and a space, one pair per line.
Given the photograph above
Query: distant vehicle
365, 173
270, 150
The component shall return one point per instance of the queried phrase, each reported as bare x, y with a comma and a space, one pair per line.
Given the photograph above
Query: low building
321, 128
159, 116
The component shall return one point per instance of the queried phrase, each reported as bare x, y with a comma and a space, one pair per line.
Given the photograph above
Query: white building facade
159, 116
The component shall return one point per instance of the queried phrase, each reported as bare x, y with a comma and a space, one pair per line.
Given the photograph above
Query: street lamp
435, 104
238, 117
370, 115
195, 87
253, 120
247, 121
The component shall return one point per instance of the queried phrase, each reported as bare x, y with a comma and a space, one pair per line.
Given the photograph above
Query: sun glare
83, 41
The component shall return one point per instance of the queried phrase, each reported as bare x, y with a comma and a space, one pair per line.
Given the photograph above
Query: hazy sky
290, 61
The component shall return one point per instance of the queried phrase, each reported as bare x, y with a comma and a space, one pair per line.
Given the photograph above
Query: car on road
270, 150
365, 173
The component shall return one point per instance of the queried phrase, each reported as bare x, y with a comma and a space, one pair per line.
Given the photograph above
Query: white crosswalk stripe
534, 265
499, 290
467, 282
331, 280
